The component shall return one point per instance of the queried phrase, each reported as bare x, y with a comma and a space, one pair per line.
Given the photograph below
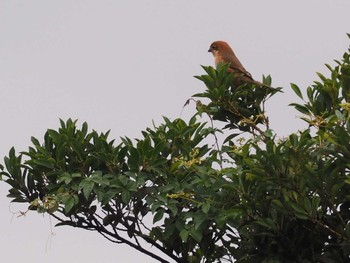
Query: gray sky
121, 64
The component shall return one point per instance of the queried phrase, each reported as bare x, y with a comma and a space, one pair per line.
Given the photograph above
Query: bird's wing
243, 71
237, 66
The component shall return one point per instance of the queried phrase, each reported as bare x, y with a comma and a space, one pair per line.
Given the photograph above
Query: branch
100, 229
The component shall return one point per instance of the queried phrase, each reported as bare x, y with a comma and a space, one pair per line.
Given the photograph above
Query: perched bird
224, 54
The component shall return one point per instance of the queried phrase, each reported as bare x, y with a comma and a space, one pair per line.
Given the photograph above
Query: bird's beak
210, 50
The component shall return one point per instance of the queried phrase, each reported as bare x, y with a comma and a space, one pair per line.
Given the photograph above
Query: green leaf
158, 215
87, 187
184, 235
64, 177
196, 234
44, 163
277, 204
126, 196
299, 211
172, 205
300, 108
97, 178
339, 115
69, 204
267, 80
35, 141
321, 76
230, 137
267, 222
206, 207
105, 197
296, 90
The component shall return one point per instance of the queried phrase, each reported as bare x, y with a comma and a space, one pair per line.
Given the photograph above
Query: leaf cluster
84, 180
240, 107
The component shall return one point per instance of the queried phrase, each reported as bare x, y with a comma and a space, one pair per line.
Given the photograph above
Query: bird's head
220, 48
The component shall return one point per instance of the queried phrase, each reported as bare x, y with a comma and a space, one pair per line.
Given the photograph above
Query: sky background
121, 64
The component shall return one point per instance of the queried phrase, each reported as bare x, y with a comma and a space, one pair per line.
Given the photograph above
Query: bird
223, 54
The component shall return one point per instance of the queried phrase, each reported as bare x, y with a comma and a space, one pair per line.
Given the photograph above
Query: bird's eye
214, 47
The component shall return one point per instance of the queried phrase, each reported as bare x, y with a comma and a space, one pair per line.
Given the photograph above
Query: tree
252, 198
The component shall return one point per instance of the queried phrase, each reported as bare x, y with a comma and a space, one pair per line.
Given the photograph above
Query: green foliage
253, 198
239, 107
163, 175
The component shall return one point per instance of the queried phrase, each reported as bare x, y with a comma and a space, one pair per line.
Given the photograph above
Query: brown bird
224, 54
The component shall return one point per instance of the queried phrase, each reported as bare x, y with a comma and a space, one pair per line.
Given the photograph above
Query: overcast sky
121, 64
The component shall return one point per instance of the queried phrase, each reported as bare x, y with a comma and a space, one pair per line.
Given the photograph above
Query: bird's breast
219, 60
